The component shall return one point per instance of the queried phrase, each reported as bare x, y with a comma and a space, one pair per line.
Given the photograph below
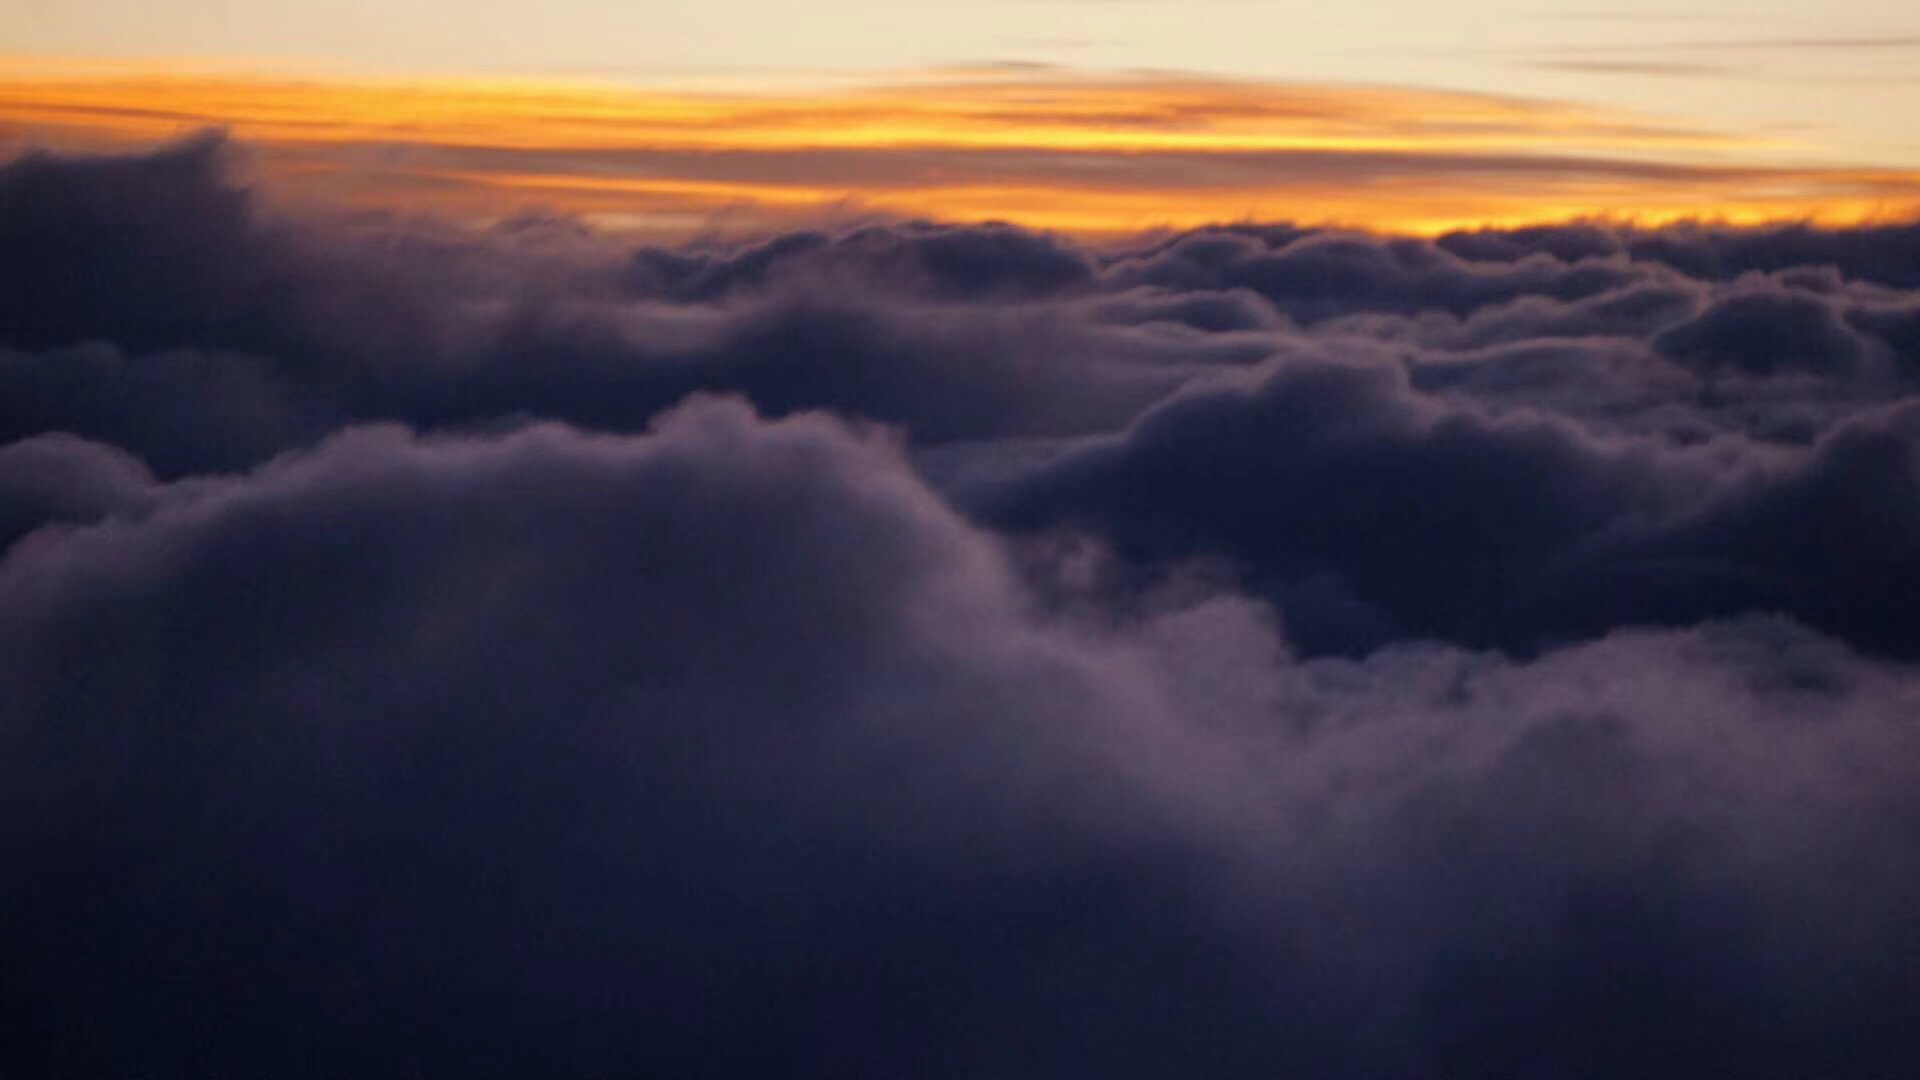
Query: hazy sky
1839, 73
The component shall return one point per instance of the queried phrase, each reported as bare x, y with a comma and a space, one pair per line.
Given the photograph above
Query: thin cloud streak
1780, 44
1658, 68
1041, 146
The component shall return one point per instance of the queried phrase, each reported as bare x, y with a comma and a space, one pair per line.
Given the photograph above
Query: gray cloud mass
920, 649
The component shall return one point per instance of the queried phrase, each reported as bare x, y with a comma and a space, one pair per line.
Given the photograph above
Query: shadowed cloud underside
918, 649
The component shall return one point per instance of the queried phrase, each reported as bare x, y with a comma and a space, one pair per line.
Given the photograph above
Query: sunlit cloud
1029, 143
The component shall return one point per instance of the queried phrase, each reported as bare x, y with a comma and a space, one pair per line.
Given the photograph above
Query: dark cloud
1897, 325
534, 751
143, 250
1889, 254
1767, 331
1442, 520
159, 251
949, 262
1633, 311
287, 331
1565, 242
771, 715
1319, 275
1834, 539
1427, 514
932, 650
59, 478
182, 410
908, 168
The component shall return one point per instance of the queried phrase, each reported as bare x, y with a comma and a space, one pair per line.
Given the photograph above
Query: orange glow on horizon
1051, 150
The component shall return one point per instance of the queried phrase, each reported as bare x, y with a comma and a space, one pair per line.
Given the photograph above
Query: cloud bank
921, 649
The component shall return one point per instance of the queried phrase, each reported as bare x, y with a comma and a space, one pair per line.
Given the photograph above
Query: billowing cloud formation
938, 650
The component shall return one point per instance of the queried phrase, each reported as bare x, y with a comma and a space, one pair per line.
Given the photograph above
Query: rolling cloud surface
919, 649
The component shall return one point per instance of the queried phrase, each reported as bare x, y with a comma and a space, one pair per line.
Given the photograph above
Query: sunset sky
997, 540
1085, 115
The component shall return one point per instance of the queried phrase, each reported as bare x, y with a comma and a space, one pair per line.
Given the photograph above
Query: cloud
1427, 514
1885, 254
1316, 276
1766, 330
59, 478
1829, 541
722, 794
718, 755
1044, 147
1865, 42
904, 648
1662, 68
171, 252
285, 331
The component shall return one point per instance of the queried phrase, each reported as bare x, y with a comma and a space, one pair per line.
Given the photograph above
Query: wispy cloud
1036, 144
1627, 15
1663, 68
1858, 43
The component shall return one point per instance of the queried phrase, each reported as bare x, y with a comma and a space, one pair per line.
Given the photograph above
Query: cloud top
922, 649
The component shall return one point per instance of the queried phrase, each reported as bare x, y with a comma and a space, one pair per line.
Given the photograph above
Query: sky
1794, 90
844, 542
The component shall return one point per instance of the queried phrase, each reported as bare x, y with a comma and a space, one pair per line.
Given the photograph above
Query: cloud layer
1043, 146
941, 650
